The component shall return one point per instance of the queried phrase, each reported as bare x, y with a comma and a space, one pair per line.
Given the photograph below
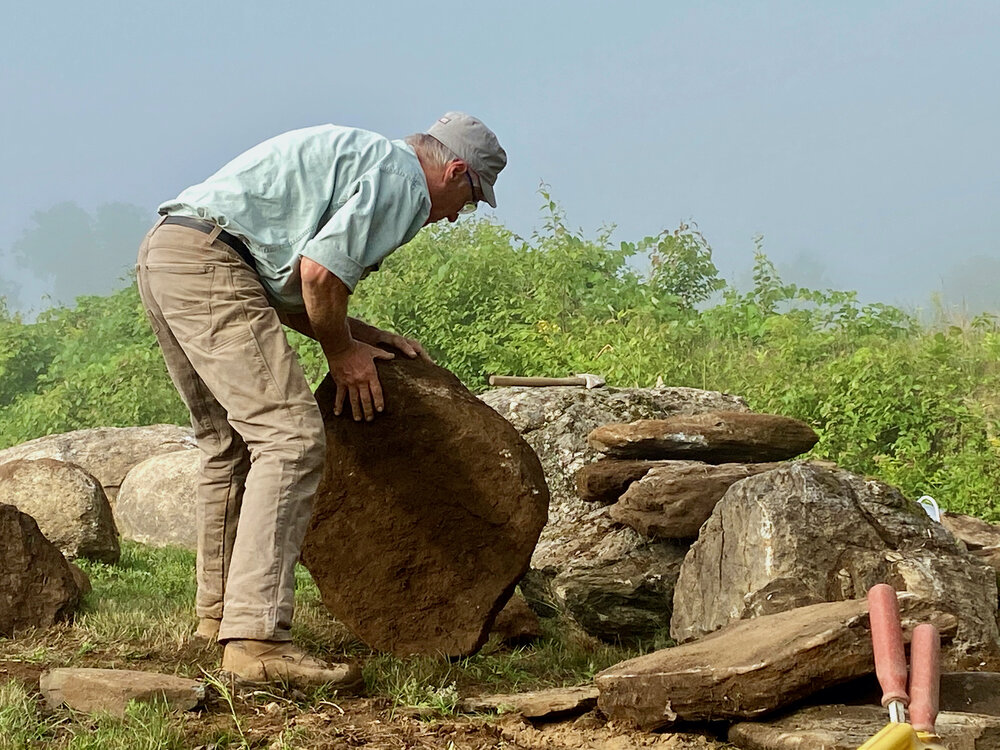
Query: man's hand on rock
410, 347
353, 370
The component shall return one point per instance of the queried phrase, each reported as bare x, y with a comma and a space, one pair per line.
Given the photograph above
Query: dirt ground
272, 721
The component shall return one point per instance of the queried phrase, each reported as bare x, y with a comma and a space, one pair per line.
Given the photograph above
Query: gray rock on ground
615, 583
847, 727
426, 517
37, 585
806, 533
157, 503
715, 437
675, 498
111, 690
68, 503
106, 452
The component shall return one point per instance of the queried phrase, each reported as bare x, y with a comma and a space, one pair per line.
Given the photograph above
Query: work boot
207, 630
282, 661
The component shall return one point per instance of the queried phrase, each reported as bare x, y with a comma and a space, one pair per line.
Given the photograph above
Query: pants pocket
183, 294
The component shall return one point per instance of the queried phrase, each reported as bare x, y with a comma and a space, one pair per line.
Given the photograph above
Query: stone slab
714, 437
111, 690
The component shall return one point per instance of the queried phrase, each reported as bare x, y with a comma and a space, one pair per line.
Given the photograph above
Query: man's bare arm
352, 362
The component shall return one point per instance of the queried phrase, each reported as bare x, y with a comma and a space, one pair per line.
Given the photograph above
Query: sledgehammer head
591, 381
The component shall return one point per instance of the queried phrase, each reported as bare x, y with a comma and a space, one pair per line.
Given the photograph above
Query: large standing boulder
426, 517
807, 533
106, 452
68, 504
37, 585
714, 437
586, 565
157, 501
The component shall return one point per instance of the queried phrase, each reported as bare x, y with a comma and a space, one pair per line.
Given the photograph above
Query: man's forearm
326, 299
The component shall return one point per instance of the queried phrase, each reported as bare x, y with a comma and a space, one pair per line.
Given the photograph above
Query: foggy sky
857, 137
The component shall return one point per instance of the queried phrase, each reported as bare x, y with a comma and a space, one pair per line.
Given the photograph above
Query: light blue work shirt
342, 197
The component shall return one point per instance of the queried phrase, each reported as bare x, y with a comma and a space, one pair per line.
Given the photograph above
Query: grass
140, 615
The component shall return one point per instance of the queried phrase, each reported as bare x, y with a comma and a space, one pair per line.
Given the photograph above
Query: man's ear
455, 169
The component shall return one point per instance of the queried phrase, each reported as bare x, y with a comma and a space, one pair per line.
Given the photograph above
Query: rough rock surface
110, 690
716, 437
675, 498
606, 480
616, 585
68, 504
37, 585
806, 533
157, 504
847, 727
426, 517
585, 565
106, 452
752, 667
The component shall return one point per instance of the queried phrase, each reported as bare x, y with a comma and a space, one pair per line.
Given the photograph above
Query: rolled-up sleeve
384, 210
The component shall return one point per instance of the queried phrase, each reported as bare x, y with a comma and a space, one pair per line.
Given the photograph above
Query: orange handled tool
890, 667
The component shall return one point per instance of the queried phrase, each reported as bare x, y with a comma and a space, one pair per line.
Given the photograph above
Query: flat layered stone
607, 479
426, 517
750, 668
847, 727
111, 690
714, 437
554, 703
675, 498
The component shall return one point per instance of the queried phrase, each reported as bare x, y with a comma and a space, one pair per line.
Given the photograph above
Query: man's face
452, 188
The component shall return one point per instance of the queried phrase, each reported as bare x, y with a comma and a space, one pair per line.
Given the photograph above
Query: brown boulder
37, 585
675, 498
68, 504
715, 437
426, 518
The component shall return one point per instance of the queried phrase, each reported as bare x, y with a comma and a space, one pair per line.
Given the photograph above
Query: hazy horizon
856, 137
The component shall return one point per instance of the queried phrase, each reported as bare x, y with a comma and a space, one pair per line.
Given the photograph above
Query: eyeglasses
470, 207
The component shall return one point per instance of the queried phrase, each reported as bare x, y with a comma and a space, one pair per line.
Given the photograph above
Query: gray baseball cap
476, 145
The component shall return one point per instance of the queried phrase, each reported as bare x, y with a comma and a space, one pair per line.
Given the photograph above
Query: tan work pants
256, 421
